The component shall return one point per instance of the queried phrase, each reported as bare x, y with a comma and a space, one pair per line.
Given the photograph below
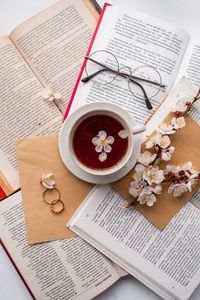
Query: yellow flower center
103, 142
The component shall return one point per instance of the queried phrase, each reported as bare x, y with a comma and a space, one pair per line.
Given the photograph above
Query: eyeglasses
144, 82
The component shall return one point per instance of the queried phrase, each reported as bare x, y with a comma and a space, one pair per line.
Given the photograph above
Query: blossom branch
148, 177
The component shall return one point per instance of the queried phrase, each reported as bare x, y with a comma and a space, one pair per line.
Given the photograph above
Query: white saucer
76, 170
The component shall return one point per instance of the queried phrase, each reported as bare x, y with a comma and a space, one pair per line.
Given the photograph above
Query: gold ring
50, 190
57, 206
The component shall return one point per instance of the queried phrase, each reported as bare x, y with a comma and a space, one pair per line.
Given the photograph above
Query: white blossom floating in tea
97, 144
123, 134
102, 144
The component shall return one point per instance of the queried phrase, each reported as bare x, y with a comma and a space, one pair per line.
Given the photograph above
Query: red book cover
2, 194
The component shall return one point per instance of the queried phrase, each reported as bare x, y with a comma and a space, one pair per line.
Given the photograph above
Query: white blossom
47, 181
49, 95
178, 123
166, 129
178, 189
167, 153
153, 175
136, 187
151, 142
102, 144
163, 141
184, 178
145, 194
146, 158
181, 105
148, 199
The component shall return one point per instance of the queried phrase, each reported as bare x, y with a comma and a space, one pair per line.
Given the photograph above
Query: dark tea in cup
99, 141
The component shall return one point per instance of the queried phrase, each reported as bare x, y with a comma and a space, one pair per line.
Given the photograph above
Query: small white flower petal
48, 176
157, 189
57, 96
95, 141
110, 139
45, 94
188, 165
123, 134
151, 200
171, 149
165, 156
102, 135
51, 98
153, 157
133, 191
189, 186
178, 189
107, 148
141, 200
149, 144
99, 148
102, 157
47, 181
139, 168
138, 176
164, 141
47, 186
145, 158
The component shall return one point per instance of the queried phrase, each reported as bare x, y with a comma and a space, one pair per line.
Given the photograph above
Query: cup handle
138, 129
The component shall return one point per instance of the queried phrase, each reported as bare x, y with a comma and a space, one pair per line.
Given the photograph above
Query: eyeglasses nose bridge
124, 67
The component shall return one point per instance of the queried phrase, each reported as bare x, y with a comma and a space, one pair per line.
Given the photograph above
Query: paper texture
167, 261
150, 41
38, 156
67, 269
187, 148
45, 51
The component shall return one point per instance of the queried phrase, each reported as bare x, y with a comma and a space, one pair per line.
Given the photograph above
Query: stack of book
47, 51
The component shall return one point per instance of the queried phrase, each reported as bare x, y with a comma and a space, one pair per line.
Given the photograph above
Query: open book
65, 269
137, 39
45, 51
166, 261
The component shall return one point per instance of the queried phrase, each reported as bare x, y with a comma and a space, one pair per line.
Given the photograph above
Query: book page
54, 44
190, 66
157, 258
136, 40
23, 111
65, 269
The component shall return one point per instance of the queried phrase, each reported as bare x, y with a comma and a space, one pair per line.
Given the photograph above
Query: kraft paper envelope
187, 148
38, 156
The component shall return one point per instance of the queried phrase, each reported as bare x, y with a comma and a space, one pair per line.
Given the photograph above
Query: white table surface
12, 12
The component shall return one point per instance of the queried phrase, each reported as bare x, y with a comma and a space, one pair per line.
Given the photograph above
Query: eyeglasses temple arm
147, 80
87, 78
100, 64
147, 101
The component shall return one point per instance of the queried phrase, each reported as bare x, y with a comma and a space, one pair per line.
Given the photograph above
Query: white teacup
74, 122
